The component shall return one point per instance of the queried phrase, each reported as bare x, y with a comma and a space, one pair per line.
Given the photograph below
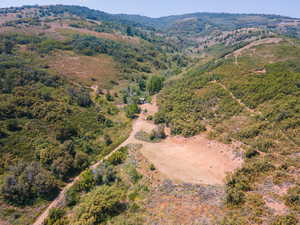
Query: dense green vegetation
50, 128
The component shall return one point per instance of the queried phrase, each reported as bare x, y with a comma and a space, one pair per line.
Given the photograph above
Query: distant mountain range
200, 23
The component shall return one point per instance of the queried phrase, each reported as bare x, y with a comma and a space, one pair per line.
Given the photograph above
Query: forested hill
202, 21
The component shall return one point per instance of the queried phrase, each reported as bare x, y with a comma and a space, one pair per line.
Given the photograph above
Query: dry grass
7, 17
90, 70
65, 29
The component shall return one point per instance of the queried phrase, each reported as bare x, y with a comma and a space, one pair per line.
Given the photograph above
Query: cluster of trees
154, 84
27, 182
46, 122
80, 96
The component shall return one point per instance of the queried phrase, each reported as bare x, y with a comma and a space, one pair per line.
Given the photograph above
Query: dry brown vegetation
65, 29
91, 70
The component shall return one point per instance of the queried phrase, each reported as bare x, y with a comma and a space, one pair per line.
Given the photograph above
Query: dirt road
195, 160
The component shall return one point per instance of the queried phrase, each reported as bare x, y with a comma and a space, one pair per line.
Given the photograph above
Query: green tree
8, 47
154, 85
132, 110
25, 183
129, 31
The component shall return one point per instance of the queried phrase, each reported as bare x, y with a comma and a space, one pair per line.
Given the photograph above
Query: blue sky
156, 8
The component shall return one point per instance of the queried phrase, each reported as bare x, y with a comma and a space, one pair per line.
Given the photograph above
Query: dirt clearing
195, 160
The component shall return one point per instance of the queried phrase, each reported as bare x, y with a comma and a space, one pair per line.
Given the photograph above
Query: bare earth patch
196, 160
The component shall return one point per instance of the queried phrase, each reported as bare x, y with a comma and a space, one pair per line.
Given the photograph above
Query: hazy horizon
151, 9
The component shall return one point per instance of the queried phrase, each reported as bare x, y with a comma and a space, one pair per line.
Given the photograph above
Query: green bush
118, 157
13, 125
55, 216
152, 167
263, 145
86, 181
98, 206
250, 153
134, 175
72, 196
235, 197
65, 132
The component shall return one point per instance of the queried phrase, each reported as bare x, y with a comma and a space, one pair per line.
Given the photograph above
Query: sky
157, 8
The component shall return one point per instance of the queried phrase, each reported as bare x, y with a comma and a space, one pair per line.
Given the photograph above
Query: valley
122, 119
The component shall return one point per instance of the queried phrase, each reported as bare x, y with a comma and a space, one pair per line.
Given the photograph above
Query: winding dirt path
287, 137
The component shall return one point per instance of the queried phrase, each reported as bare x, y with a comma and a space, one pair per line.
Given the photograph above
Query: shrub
135, 176
86, 181
159, 117
104, 174
249, 133
80, 96
250, 153
293, 197
158, 133
65, 132
152, 167
234, 196
81, 160
118, 157
263, 145
55, 215
99, 205
72, 196
107, 139
13, 125
150, 117
2, 134
285, 220
63, 166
